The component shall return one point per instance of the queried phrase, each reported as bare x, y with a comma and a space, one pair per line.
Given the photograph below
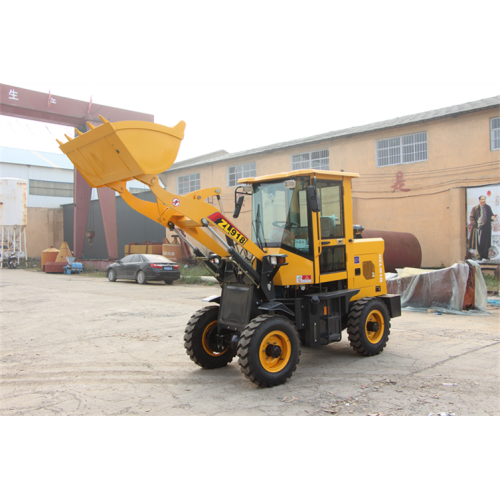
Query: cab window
332, 213
280, 216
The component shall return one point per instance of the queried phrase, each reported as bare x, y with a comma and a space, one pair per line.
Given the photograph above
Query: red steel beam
81, 204
107, 203
49, 108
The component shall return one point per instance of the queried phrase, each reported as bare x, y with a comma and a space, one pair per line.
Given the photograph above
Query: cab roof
320, 174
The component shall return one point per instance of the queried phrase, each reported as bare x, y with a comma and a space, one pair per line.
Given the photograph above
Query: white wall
50, 174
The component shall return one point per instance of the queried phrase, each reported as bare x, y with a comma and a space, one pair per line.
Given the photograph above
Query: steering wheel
284, 224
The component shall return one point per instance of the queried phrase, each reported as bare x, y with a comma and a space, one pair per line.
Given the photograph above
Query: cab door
331, 232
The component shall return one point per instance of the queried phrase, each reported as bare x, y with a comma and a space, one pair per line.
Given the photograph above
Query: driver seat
327, 228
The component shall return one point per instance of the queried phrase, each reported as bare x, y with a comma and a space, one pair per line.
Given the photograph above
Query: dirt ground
76, 345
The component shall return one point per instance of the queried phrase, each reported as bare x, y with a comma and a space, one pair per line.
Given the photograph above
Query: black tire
168, 282
141, 278
199, 340
368, 326
263, 367
112, 275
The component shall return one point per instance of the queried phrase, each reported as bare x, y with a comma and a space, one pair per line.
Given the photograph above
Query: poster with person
483, 223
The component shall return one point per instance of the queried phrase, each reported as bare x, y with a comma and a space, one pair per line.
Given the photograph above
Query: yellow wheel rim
375, 318
205, 339
275, 351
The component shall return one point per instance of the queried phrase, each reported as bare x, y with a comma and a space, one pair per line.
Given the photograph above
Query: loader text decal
218, 219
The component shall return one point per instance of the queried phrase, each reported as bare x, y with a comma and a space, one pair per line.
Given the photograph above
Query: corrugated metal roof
35, 158
490, 102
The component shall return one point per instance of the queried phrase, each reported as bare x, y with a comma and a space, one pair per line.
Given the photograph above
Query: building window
240, 172
47, 188
404, 149
318, 160
188, 183
495, 133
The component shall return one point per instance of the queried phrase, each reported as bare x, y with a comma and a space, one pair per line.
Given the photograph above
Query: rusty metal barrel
401, 249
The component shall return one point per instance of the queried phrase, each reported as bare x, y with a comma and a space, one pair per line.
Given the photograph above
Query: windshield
279, 215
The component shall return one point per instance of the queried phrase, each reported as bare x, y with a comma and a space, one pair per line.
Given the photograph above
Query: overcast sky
249, 74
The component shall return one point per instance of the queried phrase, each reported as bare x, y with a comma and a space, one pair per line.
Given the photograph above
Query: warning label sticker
306, 278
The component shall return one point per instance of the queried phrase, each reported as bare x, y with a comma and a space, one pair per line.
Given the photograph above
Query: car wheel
112, 275
141, 278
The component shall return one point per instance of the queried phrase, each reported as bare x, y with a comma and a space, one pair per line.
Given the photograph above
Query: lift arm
162, 214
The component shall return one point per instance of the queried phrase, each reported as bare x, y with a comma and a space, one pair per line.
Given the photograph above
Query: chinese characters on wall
399, 184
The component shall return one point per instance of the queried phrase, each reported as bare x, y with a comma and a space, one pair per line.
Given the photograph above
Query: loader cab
284, 220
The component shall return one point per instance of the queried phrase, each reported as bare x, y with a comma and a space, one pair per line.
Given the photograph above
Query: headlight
278, 259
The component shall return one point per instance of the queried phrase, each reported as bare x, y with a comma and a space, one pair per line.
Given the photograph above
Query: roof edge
426, 116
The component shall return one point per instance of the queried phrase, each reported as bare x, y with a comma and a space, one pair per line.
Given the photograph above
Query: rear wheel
200, 340
368, 326
112, 275
141, 278
269, 350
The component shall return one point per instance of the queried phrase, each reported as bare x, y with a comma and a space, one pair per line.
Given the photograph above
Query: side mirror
237, 207
358, 229
118, 262
313, 199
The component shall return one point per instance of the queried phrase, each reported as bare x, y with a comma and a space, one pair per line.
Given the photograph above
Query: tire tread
189, 343
243, 352
354, 325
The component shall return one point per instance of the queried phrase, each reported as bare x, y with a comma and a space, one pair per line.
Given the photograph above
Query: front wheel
368, 326
141, 278
269, 350
201, 340
112, 275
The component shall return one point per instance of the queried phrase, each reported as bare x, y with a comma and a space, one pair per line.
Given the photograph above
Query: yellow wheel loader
301, 278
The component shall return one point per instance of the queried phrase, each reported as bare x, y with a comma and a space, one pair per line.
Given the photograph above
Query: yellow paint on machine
124, 150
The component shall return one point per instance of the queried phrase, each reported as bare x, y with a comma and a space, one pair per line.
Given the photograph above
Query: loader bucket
121, 151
